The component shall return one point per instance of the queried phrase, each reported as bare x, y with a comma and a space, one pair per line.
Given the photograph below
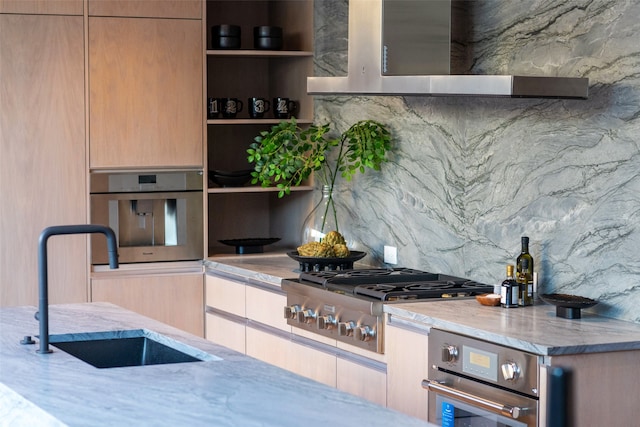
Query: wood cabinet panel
406, 368
226, 332
362, 381
225, 295
267, 307
176, 300
145, 93
601, 387
42, 155
42, 7
147, 8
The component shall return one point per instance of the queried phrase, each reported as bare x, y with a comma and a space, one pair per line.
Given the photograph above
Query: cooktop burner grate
394, 284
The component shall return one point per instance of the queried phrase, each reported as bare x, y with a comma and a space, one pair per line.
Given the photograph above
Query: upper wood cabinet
43, 7
187, 9
42, 155
145, 92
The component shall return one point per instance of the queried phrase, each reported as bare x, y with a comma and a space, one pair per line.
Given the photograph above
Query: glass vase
322, 219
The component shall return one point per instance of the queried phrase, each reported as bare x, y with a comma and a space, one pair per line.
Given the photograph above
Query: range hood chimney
403, 47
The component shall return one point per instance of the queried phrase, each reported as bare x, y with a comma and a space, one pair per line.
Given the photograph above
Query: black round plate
568, 301
250, 242
354, 256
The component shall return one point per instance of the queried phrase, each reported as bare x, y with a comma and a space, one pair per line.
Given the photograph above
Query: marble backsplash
468, 176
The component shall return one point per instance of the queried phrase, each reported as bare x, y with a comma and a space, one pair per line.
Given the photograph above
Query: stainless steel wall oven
474, 383
156, 215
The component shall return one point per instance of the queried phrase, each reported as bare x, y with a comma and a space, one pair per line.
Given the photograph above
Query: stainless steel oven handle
510, 411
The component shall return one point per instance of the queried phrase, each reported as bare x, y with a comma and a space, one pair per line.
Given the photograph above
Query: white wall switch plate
390, 254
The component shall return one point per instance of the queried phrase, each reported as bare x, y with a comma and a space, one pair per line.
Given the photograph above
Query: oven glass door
455, 413
458, 402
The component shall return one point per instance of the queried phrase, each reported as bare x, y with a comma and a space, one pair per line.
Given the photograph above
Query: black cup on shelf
213, 108
283, 108
257, 107
225, 36
230, 107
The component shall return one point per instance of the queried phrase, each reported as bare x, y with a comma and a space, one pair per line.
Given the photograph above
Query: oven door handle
498, 408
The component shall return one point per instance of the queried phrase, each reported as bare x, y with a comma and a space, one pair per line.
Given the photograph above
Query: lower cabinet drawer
284, 353
226, 332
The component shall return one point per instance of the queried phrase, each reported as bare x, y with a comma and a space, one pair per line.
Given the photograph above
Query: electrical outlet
390, 254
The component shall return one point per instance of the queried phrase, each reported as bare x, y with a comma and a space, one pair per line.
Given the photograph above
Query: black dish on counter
250, 245
568, 306
308, 263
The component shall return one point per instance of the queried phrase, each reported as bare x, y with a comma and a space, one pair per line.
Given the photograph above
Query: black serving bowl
267, 38
568, 306
225, 36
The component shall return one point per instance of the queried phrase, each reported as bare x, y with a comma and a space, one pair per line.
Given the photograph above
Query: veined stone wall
469, 176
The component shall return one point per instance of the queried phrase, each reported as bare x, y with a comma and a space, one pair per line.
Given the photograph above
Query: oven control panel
496, 364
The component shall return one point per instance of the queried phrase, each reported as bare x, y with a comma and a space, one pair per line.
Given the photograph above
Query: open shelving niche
252, 211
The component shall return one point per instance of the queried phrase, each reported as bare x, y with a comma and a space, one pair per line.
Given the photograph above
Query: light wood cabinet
362, 380
145, 93
43, 7
406, 347
603, 388
42, 155
185, 9
253, 211
173, 298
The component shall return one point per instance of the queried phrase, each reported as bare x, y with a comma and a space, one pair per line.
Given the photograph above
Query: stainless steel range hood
402, 47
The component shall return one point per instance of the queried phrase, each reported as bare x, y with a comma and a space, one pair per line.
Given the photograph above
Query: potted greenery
287, 154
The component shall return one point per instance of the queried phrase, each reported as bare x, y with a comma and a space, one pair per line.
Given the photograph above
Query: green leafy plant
287, 154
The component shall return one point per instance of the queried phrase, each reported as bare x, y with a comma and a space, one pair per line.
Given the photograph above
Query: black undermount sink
116, 349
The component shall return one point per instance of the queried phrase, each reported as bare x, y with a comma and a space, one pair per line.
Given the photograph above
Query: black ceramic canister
225, 36
267, 38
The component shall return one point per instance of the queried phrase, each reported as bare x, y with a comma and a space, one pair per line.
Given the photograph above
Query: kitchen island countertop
57, 389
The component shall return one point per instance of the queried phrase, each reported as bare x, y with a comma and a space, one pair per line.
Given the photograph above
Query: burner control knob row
346, 329
449, 353
327, 322
365, 333
291, 311
306, 316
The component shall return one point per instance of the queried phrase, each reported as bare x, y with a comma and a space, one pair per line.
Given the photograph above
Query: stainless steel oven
156, 215
474, 383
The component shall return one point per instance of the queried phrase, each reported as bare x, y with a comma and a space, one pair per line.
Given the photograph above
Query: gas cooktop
394, 283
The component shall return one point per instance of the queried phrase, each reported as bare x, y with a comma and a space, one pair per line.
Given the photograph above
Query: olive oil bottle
524, 274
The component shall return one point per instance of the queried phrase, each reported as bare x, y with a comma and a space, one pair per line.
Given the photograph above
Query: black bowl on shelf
230, 179
308, 263
267, 37
250, 245
568, 306
225, 36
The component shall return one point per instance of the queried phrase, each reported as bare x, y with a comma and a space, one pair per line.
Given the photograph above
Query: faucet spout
43, 309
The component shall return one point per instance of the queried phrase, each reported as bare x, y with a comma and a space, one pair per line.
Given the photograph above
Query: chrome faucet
43, 311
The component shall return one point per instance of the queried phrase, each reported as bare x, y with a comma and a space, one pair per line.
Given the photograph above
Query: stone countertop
267, 268
58, 389
535, 329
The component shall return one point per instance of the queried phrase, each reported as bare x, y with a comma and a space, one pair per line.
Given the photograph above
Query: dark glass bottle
509, 290
524, 274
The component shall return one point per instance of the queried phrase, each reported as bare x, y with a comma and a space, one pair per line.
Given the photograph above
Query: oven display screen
480, 363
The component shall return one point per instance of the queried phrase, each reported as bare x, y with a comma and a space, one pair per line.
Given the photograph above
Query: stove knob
345, 329
510, 371
327, 322
306, 316
291, 312
365, 333
449, 353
